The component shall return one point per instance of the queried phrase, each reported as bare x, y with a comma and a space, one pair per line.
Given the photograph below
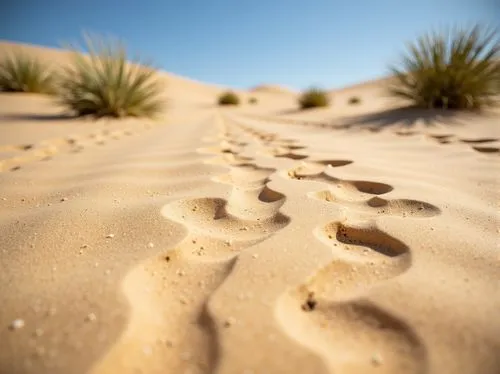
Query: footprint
487, 149
441, 136
333, 163
359, 240
373, 188
294, 147
353, 337
403, 207
376, 205
169, 329
405, 133
291, 155
329, 314
479, 140
316, 169
26, 147
246, 175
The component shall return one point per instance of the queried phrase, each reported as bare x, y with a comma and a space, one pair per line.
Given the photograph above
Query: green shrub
354, 100
253, 100
20, 72
229, 98
454, 69
314, 98
105, 84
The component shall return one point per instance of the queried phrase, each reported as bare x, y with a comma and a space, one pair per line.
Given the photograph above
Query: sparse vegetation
354, 100
105, 84
314, 98
454, 69
253, 100
20, 72
229, 98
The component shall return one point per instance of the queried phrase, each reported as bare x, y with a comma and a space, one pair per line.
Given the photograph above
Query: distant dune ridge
273, 88
251, 239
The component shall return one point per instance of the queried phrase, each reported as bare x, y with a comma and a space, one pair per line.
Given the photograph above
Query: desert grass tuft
228, 98
314, 98
354, 100
457, 68
20, 72
105, 84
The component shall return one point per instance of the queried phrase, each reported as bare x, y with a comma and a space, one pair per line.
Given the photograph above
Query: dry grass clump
20, 72
314, 98
105, 84
228, 98
354, 100
455, 69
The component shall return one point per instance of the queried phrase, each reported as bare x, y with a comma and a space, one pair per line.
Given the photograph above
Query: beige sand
353, 239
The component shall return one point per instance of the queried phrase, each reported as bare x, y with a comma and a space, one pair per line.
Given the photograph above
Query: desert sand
259, 239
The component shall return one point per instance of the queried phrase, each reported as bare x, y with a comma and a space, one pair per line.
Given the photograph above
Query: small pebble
64, 199
110, 236
91, 317
169, 343
38, 332
180, 272
376, 360
151, 245
229, 322
17, 324
255, 255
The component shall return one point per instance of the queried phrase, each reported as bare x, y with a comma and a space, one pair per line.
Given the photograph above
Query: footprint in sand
489, 150
376, 205
329, 313
315, 171
170, 329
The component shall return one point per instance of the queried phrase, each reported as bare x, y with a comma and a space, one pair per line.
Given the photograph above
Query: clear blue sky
241, 43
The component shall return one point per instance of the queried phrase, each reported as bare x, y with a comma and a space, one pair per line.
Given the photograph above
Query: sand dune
351, 239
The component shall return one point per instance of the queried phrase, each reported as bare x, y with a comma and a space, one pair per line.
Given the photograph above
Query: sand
353, 239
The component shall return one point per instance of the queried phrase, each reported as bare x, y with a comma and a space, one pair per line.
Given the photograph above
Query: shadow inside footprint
372, 188
487, 149
404, 207
369, 237
294, 147
332, 163
268, 195
478, 141
292, 156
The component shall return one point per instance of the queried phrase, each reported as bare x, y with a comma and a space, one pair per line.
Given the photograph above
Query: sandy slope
215, 241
